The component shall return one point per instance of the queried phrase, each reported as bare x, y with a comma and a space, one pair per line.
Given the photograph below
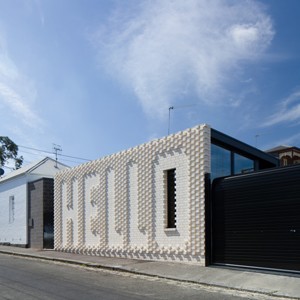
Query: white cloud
289, 111
244, 36
17, 93
162, 48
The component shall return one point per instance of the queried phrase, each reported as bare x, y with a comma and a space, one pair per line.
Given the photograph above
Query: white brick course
116, 205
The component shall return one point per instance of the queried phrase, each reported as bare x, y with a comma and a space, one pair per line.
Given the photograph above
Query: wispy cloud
164, 49
40, 11
17, 93
288, 111
15, 102
34, 8
291, 140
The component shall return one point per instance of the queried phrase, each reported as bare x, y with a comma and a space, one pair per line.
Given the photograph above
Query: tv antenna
172, 108
56, 148
257, 137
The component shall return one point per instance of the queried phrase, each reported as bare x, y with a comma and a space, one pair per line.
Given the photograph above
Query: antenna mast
171, 107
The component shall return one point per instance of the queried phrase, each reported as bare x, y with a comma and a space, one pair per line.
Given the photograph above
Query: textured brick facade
116, 206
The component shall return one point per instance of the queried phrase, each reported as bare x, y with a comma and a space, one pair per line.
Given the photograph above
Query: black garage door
255, 219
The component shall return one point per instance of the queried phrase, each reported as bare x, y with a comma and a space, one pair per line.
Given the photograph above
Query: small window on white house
171, 198
11, 209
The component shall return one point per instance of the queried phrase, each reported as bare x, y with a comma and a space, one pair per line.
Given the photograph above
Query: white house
14, 201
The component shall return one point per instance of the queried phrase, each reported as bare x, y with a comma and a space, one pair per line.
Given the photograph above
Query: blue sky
99, 76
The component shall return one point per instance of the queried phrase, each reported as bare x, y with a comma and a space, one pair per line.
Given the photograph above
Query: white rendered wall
15, 184
14, 232
118, 205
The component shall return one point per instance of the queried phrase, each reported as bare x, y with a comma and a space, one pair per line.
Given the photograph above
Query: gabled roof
278, 148
29, 168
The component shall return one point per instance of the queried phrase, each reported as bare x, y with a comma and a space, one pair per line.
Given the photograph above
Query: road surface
22, 278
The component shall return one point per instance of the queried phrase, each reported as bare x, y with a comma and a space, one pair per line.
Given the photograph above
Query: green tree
9, 151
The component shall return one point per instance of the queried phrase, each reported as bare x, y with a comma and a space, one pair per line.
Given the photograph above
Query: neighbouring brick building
287, 155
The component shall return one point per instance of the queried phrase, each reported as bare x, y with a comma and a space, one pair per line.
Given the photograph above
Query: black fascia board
242, 148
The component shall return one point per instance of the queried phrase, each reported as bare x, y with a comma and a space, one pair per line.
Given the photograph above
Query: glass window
171, 198
11, 209
242, 164
220, 162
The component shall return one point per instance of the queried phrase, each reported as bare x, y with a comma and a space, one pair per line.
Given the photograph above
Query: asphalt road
33, 279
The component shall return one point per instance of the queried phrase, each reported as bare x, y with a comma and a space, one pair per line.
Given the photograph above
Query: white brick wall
172, 239
117, 205
136, 238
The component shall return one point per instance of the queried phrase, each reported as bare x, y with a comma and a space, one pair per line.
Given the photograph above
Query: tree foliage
9, 151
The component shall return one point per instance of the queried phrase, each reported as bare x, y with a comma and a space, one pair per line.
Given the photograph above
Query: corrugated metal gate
255, 219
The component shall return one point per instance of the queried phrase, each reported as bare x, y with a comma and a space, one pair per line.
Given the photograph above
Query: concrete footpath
273, 284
